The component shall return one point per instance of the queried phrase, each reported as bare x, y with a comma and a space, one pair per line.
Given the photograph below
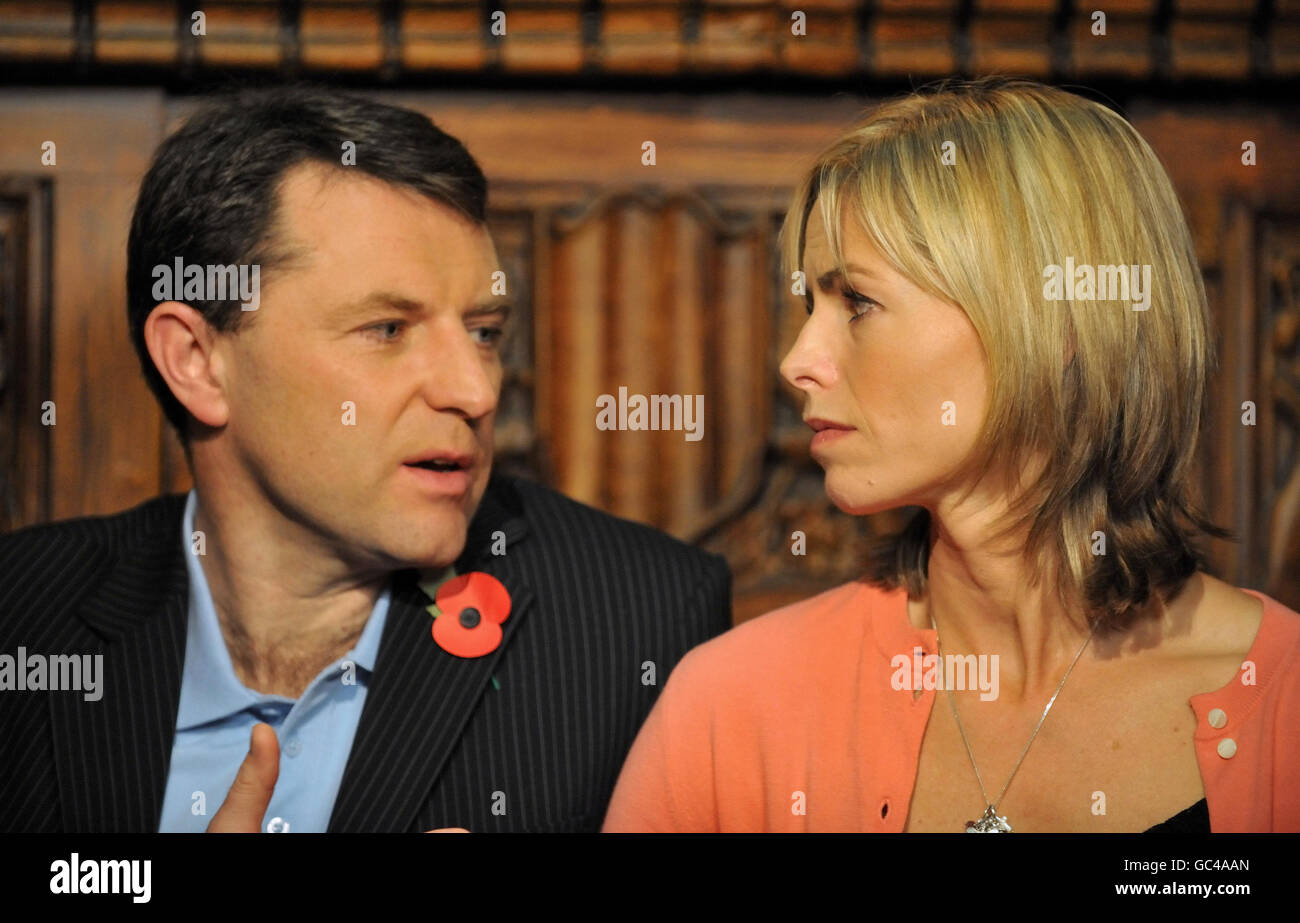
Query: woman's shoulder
1238, 620
1288, 619
1276, 645
806, 636
1251, 640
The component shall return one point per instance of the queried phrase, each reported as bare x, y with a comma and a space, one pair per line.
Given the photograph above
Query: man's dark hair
209, 196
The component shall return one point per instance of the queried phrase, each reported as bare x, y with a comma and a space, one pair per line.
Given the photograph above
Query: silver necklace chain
992, 805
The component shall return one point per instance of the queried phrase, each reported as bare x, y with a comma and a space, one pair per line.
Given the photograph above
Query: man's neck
287, 607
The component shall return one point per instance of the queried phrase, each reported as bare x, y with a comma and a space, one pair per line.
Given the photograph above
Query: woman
1007, 328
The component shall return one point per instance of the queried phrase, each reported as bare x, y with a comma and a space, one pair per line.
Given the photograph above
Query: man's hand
250, 793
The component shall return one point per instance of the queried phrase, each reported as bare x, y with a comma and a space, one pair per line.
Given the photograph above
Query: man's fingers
250, 793
448, 830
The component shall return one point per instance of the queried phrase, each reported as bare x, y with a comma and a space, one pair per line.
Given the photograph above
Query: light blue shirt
217, 713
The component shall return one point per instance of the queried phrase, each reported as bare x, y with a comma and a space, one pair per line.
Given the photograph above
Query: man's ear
181, 344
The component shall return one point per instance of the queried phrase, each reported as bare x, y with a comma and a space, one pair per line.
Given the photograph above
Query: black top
1195, 819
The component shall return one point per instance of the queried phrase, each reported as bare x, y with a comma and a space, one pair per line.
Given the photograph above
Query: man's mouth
442, 474
436, 465
441, 461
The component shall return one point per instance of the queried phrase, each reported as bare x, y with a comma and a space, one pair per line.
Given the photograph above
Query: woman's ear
180, 343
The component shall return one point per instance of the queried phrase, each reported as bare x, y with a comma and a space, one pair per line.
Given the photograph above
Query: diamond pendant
989, 823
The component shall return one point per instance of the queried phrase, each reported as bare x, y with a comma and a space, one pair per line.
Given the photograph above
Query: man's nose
460, 377
808, 364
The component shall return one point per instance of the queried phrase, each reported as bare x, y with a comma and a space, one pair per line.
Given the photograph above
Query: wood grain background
662, 279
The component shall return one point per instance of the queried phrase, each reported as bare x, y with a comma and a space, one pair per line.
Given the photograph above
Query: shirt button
1218, 717
293, 746
1227, 748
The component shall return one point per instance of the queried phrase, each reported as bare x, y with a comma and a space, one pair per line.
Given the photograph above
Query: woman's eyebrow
827, 279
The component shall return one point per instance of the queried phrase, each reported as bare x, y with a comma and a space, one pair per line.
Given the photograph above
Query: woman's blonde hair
972, 191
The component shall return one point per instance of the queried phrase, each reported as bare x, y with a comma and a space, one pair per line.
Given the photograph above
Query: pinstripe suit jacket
438, 745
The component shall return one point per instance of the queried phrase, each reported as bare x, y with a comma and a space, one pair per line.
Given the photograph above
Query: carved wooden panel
1139, 39
643, 293
660, 280
680, 292
1250, 448
104, 449
517, 448
1279, 422
673, 292
24, 351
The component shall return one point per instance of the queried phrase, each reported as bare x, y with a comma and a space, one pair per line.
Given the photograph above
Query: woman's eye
860, 305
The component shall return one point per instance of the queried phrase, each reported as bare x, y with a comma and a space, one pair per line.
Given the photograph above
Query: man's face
375, 347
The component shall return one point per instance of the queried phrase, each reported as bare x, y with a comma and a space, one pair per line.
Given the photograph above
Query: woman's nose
808, 363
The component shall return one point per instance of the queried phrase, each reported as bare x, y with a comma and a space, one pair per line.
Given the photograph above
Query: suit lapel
112, 755
421, 697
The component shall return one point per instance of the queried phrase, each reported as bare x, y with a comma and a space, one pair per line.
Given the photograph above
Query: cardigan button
1217, 717
1227, 748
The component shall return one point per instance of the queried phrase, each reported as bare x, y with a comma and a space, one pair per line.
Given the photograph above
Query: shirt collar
210, 690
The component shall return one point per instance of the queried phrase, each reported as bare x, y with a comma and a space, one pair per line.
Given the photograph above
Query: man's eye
489, 336
388, 331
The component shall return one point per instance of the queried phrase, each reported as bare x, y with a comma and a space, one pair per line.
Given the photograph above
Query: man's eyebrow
501, 304
402, 304
380, 300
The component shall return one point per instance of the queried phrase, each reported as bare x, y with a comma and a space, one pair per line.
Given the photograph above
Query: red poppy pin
467, 612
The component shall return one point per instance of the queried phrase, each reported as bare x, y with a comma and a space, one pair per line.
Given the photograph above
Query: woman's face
878, 360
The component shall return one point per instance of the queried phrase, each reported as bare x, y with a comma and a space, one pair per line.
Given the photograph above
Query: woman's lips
828, 435
826, 431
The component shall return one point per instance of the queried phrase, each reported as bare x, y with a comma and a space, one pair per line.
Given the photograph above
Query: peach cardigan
800, 700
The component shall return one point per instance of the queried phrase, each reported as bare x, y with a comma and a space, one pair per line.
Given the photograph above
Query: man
333, 368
